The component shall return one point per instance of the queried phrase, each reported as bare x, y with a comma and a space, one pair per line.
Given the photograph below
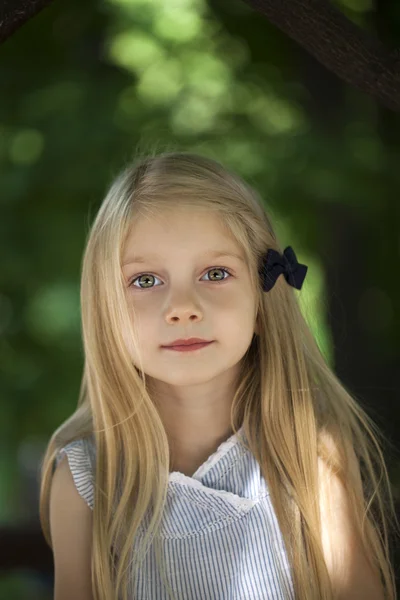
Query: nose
184, 316
183, 306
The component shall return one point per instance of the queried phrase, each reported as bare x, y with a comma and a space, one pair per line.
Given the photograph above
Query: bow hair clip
276, 264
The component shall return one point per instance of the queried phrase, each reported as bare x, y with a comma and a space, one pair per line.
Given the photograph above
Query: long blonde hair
289, 401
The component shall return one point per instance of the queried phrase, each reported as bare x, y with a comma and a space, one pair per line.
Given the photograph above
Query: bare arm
71, 532
352, 576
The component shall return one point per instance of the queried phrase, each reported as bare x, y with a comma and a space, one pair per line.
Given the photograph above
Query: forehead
178, 220
188, 231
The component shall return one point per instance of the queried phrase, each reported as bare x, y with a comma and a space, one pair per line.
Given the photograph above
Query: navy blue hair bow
275, 264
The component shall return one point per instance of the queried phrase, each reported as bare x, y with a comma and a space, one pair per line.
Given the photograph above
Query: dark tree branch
14, 13
345, 49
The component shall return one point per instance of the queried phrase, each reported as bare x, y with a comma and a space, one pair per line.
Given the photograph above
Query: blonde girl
239, 469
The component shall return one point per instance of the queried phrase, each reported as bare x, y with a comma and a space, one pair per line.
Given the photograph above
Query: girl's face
178, 289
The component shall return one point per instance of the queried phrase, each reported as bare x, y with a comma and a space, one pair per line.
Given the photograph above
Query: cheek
240, 310
128, 343
235, 327
139, 330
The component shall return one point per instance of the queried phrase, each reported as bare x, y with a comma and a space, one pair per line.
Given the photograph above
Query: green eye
147, 276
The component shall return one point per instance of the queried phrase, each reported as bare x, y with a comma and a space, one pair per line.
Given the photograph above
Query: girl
238, 469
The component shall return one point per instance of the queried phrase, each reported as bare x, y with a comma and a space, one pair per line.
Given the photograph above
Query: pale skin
190, 298
189, 294
352, 576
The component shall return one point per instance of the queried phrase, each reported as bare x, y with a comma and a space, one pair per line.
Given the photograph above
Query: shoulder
81, 459
351, 574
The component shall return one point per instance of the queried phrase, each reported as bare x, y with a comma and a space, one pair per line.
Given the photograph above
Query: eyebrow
212, 253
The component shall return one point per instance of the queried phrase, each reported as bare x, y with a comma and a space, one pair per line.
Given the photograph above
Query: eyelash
208, 270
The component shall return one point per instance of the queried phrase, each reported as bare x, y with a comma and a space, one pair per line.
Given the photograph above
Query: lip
188, 347
187, 342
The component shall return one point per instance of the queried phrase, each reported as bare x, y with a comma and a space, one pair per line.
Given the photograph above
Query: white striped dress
220, 536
